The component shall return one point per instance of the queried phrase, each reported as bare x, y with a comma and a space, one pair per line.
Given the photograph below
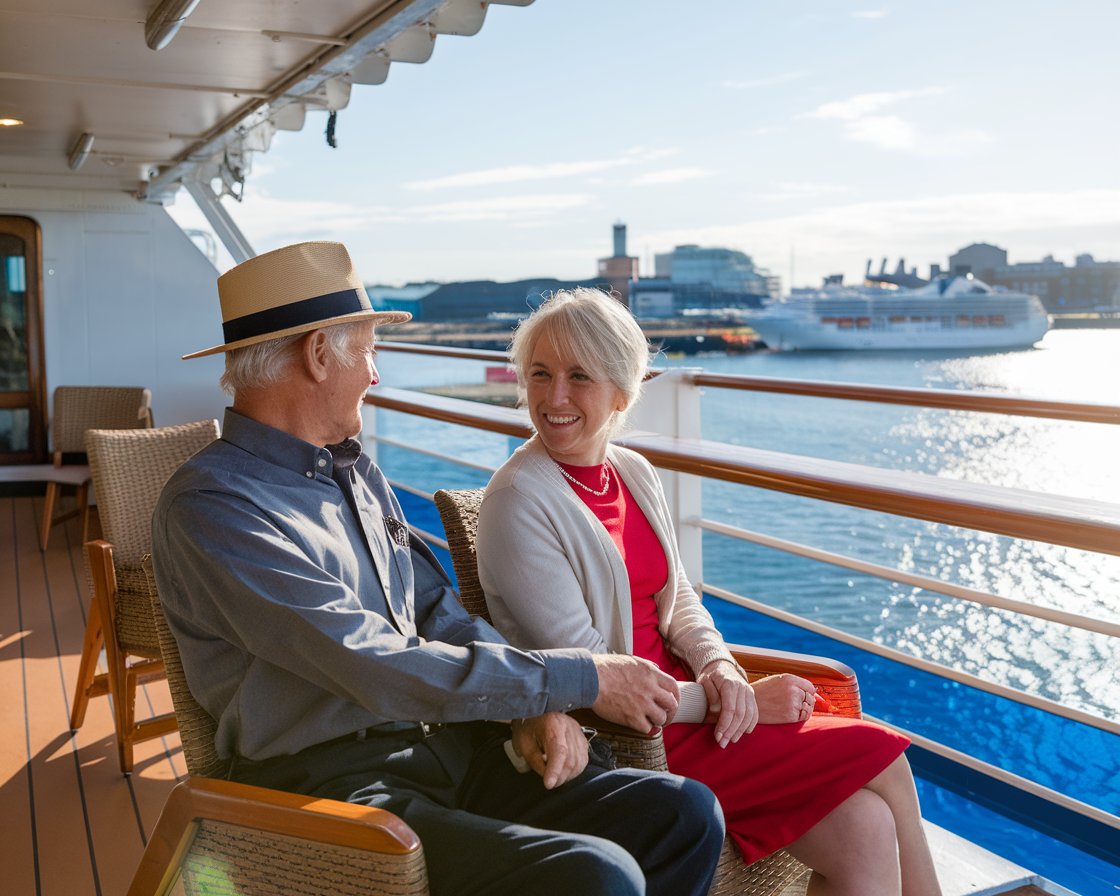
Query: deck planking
73, 824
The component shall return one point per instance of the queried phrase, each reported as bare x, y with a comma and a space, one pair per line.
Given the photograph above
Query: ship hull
1006, 322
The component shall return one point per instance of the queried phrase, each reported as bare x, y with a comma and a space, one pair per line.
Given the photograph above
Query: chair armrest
835, 681
278, 816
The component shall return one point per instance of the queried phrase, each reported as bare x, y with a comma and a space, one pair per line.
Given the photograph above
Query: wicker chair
779, 873
129, 468
77, 409
220, 838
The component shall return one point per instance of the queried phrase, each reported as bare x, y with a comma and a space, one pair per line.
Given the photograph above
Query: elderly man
329, 645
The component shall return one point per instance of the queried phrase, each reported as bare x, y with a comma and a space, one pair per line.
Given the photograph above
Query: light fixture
10, 122
164, 21
81, 151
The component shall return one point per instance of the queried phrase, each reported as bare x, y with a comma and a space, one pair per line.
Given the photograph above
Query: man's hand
554, 746
784, 698
729, 694
634, 692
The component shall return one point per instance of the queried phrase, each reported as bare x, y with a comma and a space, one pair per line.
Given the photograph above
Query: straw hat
292, 290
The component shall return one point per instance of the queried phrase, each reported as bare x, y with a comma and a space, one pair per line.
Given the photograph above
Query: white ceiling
234, 71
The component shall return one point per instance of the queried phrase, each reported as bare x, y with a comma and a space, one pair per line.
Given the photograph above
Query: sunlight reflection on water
1076, 459
1074, 667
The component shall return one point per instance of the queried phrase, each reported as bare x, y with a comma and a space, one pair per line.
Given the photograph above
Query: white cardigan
554, 578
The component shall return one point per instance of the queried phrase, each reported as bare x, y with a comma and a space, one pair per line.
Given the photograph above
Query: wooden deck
72, 823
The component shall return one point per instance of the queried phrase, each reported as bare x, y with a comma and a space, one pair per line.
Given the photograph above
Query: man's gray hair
265, 363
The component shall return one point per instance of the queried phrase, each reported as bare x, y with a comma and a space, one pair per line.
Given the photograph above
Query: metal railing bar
491, 418
946, 399
1000, 774
439, 455
471, 354
1022, 608
1000, 690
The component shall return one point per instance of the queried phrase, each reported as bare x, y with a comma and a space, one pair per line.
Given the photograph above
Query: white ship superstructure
953, 313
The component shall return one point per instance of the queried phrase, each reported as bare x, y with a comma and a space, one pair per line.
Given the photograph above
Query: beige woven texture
80, 408
129, 469
779, 874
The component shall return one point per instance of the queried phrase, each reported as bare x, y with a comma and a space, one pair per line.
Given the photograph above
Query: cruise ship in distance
955, 312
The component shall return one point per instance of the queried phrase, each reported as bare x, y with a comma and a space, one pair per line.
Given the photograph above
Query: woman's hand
731, 696
784, 698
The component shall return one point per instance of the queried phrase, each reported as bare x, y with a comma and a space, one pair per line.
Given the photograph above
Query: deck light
81, 151
164, 21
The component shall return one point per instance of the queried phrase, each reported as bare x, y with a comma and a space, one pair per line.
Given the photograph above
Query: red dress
779, 780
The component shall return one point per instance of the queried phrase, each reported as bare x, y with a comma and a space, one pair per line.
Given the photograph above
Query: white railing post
670, 405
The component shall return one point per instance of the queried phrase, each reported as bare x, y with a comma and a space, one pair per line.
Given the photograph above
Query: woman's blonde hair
593, 328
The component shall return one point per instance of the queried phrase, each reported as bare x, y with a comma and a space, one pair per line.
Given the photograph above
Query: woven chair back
458, 510
197, 727
80, 408
130, 468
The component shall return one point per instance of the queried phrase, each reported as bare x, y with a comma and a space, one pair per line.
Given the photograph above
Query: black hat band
296, 314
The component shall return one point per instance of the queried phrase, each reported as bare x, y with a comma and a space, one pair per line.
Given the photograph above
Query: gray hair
264, 364
596, 330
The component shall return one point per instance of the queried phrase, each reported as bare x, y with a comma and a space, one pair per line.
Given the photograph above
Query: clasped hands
635, 693
773, 700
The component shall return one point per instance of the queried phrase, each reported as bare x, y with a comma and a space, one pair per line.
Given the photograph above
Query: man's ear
315, 355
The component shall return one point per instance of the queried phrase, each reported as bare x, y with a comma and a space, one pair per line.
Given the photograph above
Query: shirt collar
280, 448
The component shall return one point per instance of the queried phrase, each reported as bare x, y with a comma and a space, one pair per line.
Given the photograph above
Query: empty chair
78, 409
129, 469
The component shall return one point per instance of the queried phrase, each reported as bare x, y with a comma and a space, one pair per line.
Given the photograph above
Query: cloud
670, 176
765, 82
865, 104
499, 208
840, 238
802, 189
519, 173
869, 14
864, 123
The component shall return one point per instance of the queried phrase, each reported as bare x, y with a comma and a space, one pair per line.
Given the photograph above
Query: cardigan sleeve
532, 591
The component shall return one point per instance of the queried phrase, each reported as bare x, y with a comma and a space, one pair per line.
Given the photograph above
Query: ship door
22, 381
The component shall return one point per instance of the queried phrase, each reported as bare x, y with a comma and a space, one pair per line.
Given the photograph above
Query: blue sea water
1072, 667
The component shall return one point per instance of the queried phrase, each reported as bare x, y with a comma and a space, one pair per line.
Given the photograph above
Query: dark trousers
486, 829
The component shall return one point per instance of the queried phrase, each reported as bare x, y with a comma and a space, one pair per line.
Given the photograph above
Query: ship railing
665, 428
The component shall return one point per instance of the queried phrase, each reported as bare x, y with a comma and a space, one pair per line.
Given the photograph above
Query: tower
619, 269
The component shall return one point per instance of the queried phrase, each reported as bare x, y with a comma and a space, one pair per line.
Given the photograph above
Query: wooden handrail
946, 399
1080, 523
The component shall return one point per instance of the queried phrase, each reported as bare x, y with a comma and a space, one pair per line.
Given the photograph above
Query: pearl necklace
588, 488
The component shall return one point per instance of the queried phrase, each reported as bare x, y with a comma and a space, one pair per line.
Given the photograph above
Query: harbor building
619, 269
1086, 287
700, 280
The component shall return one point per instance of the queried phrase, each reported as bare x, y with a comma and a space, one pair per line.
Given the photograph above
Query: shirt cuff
573, 682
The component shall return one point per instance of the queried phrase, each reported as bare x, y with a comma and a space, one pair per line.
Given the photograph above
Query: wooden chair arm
263, 810
835, 681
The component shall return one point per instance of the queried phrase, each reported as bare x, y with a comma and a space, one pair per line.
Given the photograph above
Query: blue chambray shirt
304, 611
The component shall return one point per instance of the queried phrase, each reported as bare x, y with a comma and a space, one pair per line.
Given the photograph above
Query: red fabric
779, 780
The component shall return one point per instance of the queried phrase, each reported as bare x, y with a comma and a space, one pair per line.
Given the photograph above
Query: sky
812, 136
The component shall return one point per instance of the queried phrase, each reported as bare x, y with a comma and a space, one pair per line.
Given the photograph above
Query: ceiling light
81, 151
10, 122
164, 21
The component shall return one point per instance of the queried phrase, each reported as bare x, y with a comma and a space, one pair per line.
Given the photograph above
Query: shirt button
322, 462
309, 474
